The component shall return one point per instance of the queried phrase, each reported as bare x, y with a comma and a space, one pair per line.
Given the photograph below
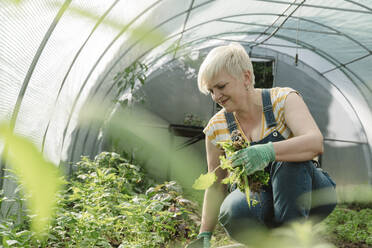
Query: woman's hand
254, 158
203, 241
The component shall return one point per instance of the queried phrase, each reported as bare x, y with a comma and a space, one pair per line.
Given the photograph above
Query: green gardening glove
203, 241
254, 158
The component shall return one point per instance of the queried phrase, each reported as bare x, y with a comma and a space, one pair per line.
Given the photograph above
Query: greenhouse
78, 78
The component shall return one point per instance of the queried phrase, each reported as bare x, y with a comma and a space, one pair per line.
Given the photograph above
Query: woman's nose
216, 95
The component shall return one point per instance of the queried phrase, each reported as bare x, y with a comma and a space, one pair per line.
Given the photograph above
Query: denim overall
296, 190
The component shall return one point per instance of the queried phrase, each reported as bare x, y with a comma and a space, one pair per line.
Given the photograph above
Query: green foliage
350, 225
263, 72
193, 120
111, 203
205, 181
128, 78
40, 179
13, 222
15, 235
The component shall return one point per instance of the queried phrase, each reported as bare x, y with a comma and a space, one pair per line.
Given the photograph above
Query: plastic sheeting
56, 56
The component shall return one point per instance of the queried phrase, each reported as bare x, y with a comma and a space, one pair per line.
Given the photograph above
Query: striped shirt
217, 130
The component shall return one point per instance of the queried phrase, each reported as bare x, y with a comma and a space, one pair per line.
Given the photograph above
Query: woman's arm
307, 141
215, 194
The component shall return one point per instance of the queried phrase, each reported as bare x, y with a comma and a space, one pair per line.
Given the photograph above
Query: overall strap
268, 108
231, 124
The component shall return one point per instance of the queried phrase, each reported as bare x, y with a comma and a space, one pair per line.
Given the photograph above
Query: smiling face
227, 91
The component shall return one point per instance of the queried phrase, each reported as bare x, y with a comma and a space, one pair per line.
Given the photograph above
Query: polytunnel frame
340, 65
62, 10
336, 63
311, 48
77, 97
188, 11
126, 51
323, 54
305, 45
324, 7
27, 79
318, 73
125, 28
34, 62
100, 20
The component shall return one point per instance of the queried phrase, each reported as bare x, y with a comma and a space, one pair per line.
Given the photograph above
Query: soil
346, 244
359, 206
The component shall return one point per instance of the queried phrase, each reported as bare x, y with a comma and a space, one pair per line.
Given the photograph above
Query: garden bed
109, 202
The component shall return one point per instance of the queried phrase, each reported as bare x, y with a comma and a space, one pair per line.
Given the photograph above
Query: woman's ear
247, 78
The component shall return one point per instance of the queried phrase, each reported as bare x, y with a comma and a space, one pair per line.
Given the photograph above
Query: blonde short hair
232, 59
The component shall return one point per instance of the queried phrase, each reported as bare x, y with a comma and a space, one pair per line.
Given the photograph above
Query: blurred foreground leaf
354, 193
40, 179
301, 235
147, 137
142, 32
17, 2
205, 181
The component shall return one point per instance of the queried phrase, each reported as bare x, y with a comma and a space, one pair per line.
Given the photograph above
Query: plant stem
247, 191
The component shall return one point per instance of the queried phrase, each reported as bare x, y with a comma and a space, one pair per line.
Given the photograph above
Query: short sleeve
279, 96
208, 131
216, 129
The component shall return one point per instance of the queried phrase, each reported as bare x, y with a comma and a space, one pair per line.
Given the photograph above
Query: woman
284, 141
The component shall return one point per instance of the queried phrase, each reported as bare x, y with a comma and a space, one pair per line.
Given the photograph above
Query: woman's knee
234, 207
236, 217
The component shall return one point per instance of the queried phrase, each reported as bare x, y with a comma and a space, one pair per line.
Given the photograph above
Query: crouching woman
284, 139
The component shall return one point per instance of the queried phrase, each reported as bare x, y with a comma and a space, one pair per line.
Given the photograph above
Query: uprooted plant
246, 183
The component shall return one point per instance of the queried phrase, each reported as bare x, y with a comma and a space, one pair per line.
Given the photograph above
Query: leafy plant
237, 175
349, 225
128, 78
263, 72
193, 120
111, 203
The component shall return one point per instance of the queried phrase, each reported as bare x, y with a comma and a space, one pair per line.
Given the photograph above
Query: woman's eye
221, 86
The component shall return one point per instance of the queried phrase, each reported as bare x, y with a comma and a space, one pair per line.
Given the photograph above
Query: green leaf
12, 242
247, 195
226, 146
227, 180
40, 178
225, 163
205, 181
